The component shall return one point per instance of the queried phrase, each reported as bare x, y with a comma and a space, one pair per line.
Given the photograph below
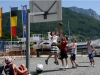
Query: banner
24, 19
2, 46
0, 22
14, 21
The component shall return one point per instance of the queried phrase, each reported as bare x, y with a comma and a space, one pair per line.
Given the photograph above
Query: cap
39, 67
1, 65
8, 60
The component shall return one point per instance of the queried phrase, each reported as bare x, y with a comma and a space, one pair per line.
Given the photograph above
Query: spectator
21, 67
12, 69
1, 68
39, 69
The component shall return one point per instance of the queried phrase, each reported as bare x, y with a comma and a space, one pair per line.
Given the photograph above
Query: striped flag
13, 20
24, 19
0, 22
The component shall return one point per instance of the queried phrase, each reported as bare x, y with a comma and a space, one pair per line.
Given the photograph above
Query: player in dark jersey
63, 53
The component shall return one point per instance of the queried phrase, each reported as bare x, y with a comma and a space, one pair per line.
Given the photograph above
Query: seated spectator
12, 69
1, 68
21, 67
39, 69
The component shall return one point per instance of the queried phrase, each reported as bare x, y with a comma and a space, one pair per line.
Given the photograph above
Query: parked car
97, 52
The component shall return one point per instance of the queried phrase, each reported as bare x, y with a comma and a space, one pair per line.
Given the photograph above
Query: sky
85, 4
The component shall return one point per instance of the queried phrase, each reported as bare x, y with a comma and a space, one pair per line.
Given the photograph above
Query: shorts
73, 56
91, 56
53, 49
63, 54
58, 50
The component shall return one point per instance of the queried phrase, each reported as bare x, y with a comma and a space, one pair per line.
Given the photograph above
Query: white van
97, 52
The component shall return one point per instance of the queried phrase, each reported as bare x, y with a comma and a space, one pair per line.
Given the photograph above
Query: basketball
60, 23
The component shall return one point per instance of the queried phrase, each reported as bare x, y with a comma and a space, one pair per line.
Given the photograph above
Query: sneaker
77, 65
66, 67
46, 62
93, 65
62, 67
90, 65
73, 67
56, 63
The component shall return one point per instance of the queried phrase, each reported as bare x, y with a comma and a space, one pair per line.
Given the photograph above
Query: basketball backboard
52, 10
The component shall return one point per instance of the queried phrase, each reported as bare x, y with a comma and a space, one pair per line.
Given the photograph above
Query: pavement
52, 69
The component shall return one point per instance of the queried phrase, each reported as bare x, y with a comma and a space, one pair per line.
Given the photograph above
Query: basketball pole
28, 39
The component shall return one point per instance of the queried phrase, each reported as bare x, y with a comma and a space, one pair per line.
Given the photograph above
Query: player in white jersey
91, 52
54, 38
73, 54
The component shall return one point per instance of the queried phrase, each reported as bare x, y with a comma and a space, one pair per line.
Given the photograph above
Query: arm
15, 67
57, 32
61, 36
51, 37
74, 46
87, 50
93, 49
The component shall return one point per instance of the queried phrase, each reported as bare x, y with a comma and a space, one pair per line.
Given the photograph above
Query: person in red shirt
63, 48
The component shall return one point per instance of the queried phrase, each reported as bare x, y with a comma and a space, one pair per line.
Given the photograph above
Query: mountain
89, 12
81, 25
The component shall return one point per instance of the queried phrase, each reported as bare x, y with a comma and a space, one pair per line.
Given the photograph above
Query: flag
24, 18
0, 22
14, 20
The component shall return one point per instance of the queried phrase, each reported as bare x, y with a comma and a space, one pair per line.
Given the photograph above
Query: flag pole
22, 20
1, 9
22, 27
10, 29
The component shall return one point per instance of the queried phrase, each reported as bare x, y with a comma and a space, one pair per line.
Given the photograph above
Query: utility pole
69, 32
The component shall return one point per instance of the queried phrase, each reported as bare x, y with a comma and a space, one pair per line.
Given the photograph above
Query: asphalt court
84, 67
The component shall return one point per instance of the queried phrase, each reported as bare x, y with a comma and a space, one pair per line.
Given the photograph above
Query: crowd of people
59, 53
10, 68
62, 54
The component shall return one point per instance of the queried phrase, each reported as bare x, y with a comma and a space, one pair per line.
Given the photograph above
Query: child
39, 69
1, 67
64, 52
91, 51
